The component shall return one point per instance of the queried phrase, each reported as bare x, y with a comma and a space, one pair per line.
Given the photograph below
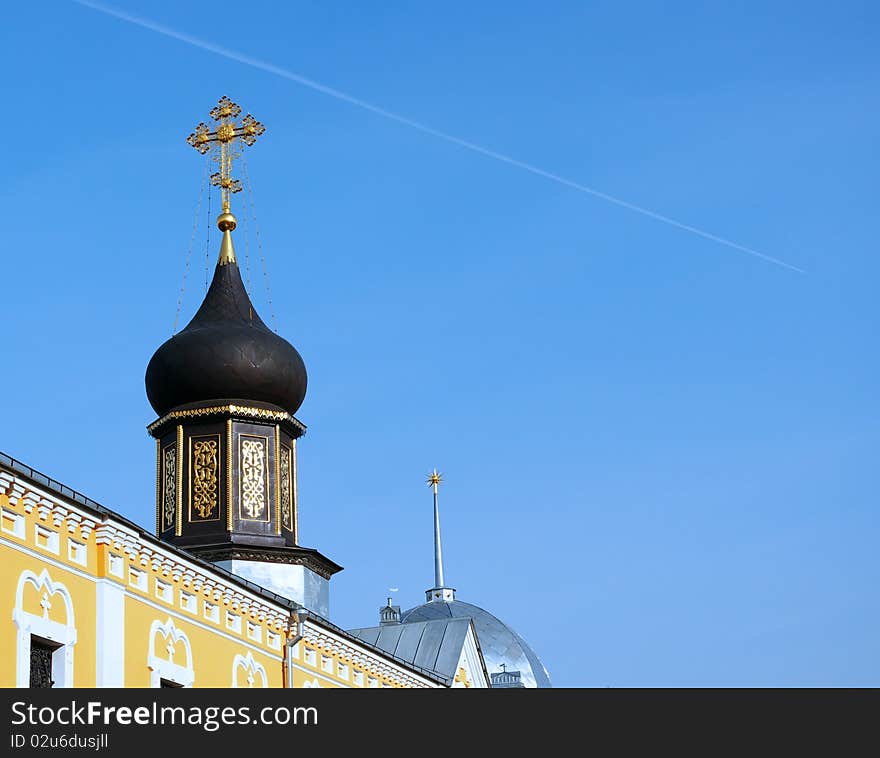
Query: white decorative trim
470, 660
110, 634
164, 591
166, 668
29, 501
42, 626
233, 622
73, 522
53, 541
137, 578
327, 641
181, 617
77, 551
189, 602
86, 527
273, 640
17, 521
252, 669
124, 539
212, 611
58, 515
116, 565
120, 538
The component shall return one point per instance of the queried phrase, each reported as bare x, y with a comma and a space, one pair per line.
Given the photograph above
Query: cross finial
45, 605
226, 139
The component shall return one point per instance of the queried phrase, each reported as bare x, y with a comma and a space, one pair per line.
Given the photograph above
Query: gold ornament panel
285, 483
168, 487
204, 478
253, 500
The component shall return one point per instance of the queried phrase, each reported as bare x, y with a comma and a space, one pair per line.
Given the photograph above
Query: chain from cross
227, 135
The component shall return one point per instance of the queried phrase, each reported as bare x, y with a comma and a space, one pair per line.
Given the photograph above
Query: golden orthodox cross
226, 135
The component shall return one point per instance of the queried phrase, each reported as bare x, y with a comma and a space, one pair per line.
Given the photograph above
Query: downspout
295, 632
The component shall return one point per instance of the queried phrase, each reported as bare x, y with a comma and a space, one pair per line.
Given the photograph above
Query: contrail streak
271, 68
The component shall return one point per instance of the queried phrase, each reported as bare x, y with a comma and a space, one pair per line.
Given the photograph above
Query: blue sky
661, 452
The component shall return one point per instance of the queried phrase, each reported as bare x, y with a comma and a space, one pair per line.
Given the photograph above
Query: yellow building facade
115, 607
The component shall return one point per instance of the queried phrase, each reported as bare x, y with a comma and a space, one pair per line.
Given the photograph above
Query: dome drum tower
226, 491
225, 389
226, 474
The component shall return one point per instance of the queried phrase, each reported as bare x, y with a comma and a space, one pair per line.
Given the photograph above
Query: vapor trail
271, 68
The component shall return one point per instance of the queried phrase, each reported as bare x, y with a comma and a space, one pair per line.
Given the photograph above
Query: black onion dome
226, 352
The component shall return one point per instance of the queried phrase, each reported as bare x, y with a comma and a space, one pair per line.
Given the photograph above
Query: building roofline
444, 621
68, 493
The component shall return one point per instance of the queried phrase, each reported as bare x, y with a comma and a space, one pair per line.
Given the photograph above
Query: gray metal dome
499, 643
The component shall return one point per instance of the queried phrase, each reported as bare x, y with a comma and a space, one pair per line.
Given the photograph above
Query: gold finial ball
226, 222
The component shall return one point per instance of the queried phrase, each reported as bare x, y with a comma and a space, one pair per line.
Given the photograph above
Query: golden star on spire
434, 478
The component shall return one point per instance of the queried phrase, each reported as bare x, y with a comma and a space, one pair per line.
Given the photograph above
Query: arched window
253, 672
165, 671
45, 637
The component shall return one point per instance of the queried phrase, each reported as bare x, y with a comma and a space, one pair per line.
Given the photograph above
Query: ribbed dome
499, 643
226, 352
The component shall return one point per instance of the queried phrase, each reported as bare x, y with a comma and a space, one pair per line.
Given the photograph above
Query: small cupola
389, 614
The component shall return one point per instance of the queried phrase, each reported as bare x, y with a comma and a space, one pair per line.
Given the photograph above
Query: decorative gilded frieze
285, 482
168, 487
263, 414
252, 478
204, 478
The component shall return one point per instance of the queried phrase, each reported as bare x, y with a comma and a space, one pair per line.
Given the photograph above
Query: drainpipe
295, 631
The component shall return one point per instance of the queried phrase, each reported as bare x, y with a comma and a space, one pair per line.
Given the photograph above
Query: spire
439, 592
226, 140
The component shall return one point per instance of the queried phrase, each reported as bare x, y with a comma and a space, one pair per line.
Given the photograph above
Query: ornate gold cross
227, 135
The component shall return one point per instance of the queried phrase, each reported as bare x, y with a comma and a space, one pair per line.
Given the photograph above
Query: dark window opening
169, 683
41, 662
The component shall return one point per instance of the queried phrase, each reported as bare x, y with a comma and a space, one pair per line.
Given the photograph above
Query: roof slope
434, 645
